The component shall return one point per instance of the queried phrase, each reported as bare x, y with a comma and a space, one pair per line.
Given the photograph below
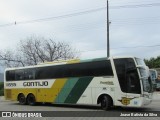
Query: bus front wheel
31, 100
105, 103
21, 99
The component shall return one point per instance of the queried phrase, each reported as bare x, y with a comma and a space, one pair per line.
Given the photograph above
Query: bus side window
10, 75
121, 73
19, 74
29, 74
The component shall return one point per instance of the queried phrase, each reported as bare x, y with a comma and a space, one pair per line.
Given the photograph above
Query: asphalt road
14, 106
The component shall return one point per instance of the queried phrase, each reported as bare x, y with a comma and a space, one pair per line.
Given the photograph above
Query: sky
134, 27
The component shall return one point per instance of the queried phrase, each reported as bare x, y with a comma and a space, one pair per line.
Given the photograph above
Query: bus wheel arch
21, 98
31, 99
106, 101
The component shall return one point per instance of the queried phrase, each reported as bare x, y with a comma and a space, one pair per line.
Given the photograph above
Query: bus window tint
127, 75
10, 75
29, 74
133, 85
121, 73
96, 68
19, 74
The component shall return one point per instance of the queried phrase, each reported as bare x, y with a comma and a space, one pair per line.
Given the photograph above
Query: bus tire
21, 99
31, 100
105, 102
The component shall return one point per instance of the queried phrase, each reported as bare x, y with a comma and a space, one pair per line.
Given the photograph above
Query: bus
108, 82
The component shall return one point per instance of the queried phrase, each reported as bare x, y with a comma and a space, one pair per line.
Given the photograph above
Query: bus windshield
140, 62
147, 84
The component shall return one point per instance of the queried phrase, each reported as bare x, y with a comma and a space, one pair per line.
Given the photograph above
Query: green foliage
1, 92
1, 85
1, 88
153, 62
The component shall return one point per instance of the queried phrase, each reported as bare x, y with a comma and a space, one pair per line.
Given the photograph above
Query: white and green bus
114, 81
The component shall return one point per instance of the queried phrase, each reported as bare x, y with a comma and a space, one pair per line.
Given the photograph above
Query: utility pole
108, 47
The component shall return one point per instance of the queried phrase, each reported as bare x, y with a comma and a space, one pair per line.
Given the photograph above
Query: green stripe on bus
66, 90
99, 59
85, 61
78, 90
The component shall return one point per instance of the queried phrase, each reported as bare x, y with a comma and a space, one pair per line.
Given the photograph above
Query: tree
153, 62
34, 50
9, 58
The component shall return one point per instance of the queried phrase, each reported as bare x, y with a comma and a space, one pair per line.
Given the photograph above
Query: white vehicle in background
158, 83
154, 76
158, 86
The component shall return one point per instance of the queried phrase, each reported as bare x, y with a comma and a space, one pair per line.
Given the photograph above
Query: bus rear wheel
31, 100
105, 103
21, 99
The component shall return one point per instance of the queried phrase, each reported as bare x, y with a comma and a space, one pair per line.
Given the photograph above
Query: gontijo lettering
43, 83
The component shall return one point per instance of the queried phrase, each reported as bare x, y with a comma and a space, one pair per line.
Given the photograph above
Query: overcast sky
131, 28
